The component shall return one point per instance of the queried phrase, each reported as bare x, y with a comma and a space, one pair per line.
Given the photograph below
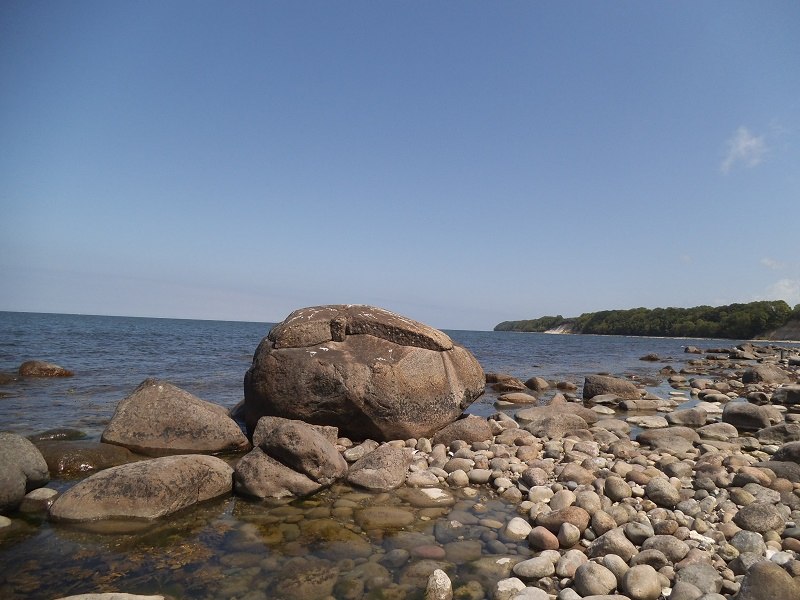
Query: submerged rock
159, 419
369, 372
145, 490
77, 458
40, 368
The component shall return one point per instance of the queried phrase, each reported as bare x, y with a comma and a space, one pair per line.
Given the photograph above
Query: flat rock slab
383, 517
145, 490
159, 419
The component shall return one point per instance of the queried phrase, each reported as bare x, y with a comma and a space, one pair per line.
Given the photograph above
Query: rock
266, 425
439, 586
612, 542
534, 568
674, 549
382, 469
383, 517
765, 373
531, 417
641, 583
145, 490
766, 579
718, 431
701, 575
748, 417
788, 394
537, 384
516, 529
693, 417
430, 497
569, 563
662, 492
788, 452
470, 429
557, 426
779, 434
518, 398
159, 419
648, 421
594, 579
541, 538
261, 476
38, 500
22, 469
784, 469
40, 368
59, 434
369, 372
304, 449
506, 589
597, 385
70, 459
571, 514
759, 517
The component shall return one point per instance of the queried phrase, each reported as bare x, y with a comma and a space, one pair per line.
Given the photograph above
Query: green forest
734, 321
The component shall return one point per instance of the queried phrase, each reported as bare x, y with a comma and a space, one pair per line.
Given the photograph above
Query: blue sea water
112, 355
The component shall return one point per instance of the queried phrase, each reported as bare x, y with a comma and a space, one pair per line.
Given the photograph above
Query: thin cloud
785, 289
744, 148
772, 264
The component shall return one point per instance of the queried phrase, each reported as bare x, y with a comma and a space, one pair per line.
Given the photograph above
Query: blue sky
463, 163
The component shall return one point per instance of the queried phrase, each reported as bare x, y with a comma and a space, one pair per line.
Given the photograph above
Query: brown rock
40, 368
369, 372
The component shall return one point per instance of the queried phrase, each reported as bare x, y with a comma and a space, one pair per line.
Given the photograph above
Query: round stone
641, 583
593, 579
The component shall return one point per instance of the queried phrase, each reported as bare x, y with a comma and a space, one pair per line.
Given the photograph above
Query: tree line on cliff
733, 321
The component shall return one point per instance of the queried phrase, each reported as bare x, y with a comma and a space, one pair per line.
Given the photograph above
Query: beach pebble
641, 583
517, 529
534, 568
594, 579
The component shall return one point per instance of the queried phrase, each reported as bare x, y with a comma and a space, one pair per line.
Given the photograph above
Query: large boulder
145, 490
22, 469
598, 385
369, 372
159, 419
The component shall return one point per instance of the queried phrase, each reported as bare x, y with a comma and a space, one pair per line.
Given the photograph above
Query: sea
232, 547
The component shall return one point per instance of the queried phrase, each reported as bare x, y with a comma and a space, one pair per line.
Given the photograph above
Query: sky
462, 163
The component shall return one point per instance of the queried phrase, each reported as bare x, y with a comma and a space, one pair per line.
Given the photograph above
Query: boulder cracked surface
369, 372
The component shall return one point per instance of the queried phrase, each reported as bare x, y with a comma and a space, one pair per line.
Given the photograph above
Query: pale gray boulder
147, 489
159, 418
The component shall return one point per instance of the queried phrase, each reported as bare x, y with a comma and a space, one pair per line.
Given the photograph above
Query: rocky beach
567, 489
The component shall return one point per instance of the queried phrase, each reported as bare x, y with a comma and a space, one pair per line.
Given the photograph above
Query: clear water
235, 548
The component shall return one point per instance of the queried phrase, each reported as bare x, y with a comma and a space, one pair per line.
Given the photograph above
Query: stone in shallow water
145, 490
383, 517
431, 497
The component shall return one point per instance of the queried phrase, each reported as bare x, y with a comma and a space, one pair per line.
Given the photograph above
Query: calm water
235, 548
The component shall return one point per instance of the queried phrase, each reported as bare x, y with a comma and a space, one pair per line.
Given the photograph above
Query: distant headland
771, 320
